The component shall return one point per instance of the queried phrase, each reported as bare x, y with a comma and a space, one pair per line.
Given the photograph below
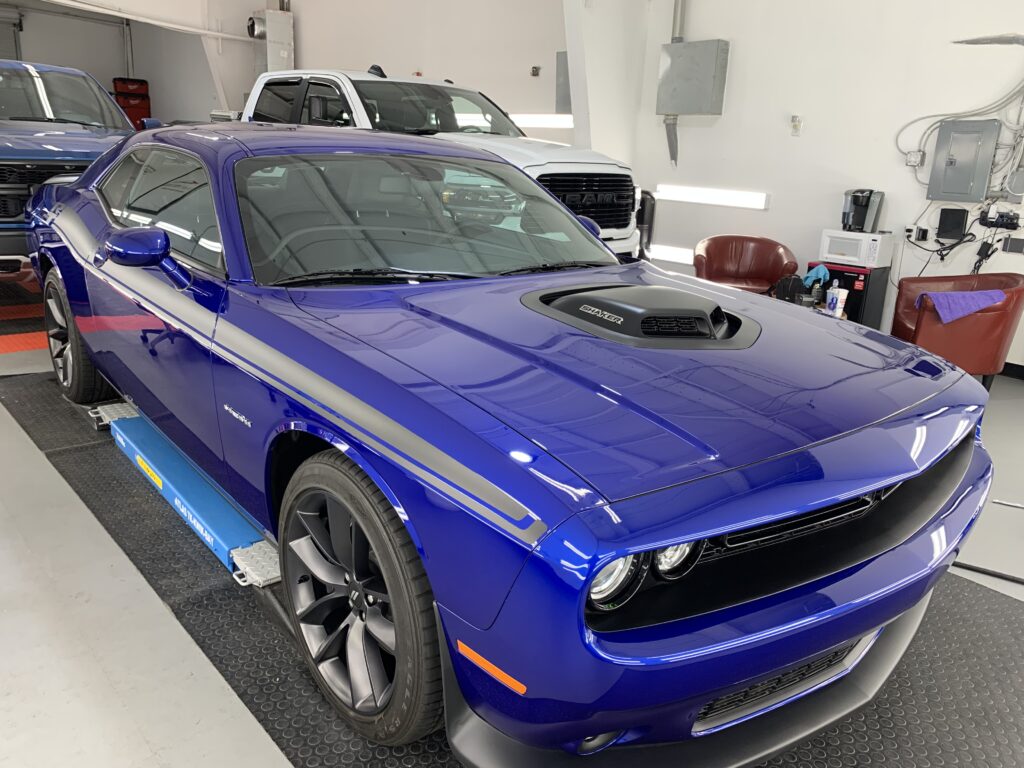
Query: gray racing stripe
428, 463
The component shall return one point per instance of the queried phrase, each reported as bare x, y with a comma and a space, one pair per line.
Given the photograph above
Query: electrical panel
962, 163
691, 79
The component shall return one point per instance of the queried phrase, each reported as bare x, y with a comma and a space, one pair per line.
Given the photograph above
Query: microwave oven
870, 250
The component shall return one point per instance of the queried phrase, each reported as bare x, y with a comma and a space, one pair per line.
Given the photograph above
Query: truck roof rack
376, 70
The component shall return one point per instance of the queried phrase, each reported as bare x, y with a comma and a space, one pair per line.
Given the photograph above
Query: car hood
49, 141
527, 153
631, 420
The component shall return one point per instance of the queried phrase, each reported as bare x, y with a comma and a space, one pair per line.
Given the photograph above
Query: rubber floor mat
957, 698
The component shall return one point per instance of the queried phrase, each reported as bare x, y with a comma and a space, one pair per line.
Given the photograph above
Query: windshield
305, 214
425, 108
56, 97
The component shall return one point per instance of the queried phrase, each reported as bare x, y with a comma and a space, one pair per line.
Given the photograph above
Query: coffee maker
861, 208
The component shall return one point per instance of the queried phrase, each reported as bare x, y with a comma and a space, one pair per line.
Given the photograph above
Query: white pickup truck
589, 183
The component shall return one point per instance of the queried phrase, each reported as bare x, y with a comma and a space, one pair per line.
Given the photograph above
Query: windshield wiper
65, 120
354, 275
558, 267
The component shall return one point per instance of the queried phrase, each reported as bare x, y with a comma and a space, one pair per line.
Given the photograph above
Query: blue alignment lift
218, 523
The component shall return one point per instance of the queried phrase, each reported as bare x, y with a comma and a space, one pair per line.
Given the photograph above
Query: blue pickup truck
53, 121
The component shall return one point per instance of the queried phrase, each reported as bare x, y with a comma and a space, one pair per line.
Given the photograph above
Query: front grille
774, 686
790, 528
12, 206
607, 198
670, 326
17, 180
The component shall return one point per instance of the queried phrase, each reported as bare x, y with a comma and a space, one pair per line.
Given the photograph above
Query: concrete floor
96, 671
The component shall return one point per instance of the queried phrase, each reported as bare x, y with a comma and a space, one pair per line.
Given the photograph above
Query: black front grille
12, 206
790, 528
774, 685
26, 174
671, 326
18, 179
607, 198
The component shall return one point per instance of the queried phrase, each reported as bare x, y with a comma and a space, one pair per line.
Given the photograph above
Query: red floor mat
22, 342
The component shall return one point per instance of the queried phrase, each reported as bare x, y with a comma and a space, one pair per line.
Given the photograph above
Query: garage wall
855, 74
486, 44
92, 46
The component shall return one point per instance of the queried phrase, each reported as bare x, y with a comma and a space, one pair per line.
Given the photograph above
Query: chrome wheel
58, 336
341, 602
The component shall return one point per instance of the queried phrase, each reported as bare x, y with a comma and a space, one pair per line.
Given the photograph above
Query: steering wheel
472, 129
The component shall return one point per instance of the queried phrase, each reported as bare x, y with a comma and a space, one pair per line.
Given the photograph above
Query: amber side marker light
502, 677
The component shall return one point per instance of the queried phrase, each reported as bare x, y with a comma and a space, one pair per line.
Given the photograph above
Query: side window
325, 105
276, 102
171, 190
114, 188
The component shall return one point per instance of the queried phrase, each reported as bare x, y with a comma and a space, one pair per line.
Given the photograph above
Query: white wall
606, 67
95, 47
485, 44
855, 75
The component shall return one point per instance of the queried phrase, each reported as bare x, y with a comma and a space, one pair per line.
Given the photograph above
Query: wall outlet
921, 235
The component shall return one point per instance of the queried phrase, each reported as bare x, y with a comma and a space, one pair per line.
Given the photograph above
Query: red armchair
753, 264
979, 342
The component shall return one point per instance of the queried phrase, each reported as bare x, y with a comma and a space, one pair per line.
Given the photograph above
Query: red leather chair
753, 264
979, 342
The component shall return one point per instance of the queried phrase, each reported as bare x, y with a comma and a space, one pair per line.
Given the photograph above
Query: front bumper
477, 743
625, 246
651, 684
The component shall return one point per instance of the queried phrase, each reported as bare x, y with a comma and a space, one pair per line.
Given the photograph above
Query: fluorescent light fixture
543, 121
671, 253
732, 198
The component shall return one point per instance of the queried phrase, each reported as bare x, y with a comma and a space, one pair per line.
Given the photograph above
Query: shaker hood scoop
631, 419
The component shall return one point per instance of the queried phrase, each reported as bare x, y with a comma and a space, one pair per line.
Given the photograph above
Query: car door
152, 335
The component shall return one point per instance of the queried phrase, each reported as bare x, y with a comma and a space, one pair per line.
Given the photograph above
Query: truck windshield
351, 216
49, 96
425, 109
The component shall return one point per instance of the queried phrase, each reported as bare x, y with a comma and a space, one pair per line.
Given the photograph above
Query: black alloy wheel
341, 602
359, 601
78, 378
57, 336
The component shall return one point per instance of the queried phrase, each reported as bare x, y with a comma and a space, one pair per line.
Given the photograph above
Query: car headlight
675, 561
616, 582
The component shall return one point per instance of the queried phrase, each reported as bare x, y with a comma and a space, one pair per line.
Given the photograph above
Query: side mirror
137, 247
590, 225
148, 123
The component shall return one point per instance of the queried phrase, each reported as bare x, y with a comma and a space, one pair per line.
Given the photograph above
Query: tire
335, 525
77, 377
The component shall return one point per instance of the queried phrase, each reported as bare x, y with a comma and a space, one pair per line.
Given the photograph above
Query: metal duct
678, 20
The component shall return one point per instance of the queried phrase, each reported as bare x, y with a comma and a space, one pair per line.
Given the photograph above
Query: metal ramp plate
218, 523
102, 415
257, 565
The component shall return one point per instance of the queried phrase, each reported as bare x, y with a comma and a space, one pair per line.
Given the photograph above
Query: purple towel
952, 305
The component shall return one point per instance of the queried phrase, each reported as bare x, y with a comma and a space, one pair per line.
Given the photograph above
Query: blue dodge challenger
578, 510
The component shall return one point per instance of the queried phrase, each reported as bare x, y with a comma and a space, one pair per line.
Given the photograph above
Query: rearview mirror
149, 123
137, 247
591, 226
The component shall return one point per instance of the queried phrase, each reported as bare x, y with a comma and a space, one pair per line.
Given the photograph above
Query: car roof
353, 74
26, 65
278, 139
